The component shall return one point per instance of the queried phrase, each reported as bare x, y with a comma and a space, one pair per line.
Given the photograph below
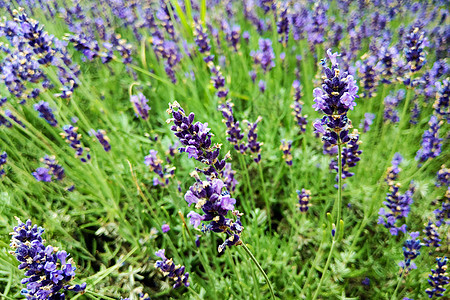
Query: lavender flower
286, 148
431, 143
399, 207
410, 252
51, 170
443, 214
212, 197
46, 113
168, 268
233, 130
48, 271
196, 139
10, 115
335, 98
443, 177
432, 239
3, 158
297, 107
394, 170
350, 156
102, 138
74, 139
262, 86
165, 228
367, 121
414, 53
228, 177
265, 55
438, 278
253, 145
304, 198
283, 26
368, 75
442, 104
390, 112
164, 172
140, 106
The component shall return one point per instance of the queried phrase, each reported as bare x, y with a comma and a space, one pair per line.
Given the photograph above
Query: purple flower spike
48, 271
168, 268
140, 106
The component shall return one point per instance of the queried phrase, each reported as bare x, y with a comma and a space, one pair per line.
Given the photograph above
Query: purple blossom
46, 113
265, 55
367, 121
48, 271
334, 99
102, 138
304, 198
164, 173
165, 228
431, 143
3, 157
73, 138
286, 148
168, 268
410, 252
438, 278
140, 106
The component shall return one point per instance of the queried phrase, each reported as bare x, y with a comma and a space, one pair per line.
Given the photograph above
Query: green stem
260, 269
324, 270
247, 177
266, 200
339, 200
99, 296
398, 285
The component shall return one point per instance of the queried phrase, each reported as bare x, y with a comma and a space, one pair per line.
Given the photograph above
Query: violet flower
48, 271
168, 268
140, 106
438, 278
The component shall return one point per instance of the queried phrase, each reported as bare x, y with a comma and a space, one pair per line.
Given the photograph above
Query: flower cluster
394, 170
213, 198
432, 239
368, 75
335, 99
265, 55
102, 138
46, 113
414, 53
286, 148
443, 214
438, 278
442, 104
431, 143
228, 177
196, 140
304, 197
48, 271
51, 171
3, 157
297, 107
74, 139
234, 133
367, 121
252, 136
30, 52
140, 106
350, 156
410, 252
168, 268
10, 115
443, 177
164, 172
399, 207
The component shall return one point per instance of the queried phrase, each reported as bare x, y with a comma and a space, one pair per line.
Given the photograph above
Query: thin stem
247, 177
265, 196
324, 270
398, 285
339, 200
260, 269
99, 296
